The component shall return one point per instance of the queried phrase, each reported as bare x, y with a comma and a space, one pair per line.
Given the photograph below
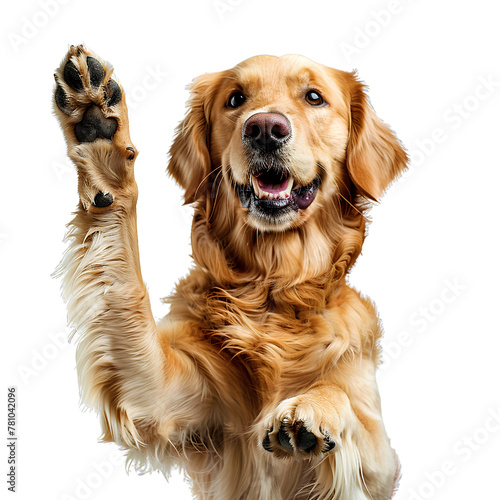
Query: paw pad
114, 92
102, 200
95, 125
89, 85
61, 99
284, 439
266, 443
289, 440
306, 440
72, 76
96, 71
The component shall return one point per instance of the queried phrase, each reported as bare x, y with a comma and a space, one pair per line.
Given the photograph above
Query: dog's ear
190, 162
374, 156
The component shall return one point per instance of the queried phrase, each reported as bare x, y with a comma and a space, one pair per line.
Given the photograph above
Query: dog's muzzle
271, 191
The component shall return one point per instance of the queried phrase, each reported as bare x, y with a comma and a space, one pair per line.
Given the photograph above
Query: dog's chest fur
275, 344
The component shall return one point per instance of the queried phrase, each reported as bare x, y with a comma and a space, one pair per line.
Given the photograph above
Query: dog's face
285, 135
281, 126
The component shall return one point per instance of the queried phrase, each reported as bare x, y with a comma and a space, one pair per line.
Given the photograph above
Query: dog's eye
314, 98
235, 100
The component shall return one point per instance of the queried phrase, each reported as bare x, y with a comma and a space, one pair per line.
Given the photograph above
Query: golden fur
263, 333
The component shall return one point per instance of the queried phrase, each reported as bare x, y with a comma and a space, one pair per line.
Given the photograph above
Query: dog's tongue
300, 197
272, 188
304, 195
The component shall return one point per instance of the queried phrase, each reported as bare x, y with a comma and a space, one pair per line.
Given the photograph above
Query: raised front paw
299, 428
91, 108
91, 103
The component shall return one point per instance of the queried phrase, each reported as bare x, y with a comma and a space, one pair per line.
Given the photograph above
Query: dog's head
285, 136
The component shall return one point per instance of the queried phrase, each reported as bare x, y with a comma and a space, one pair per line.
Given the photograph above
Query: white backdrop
430, 262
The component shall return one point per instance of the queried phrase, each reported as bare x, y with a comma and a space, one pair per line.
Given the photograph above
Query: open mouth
274, 190
271, 185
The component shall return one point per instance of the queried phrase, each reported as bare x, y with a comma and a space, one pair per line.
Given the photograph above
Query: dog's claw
329, 445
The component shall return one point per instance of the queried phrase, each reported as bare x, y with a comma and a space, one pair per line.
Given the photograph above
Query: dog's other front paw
300, 429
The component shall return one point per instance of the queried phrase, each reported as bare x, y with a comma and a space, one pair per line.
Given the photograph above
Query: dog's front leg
125, 372
346, 442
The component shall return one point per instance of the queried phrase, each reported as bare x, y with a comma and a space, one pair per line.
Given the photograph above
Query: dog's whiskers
337, 187
363, 479
219, 174
230, 119
204, 179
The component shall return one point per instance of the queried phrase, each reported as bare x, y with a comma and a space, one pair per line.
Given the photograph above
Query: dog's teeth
288, 190
259, 192
271, 196
256, 188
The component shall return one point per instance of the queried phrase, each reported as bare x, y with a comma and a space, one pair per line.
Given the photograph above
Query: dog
260, 382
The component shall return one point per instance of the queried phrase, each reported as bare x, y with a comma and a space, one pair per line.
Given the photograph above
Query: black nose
266, 131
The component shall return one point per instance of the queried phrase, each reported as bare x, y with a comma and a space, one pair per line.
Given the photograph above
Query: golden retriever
260, 382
